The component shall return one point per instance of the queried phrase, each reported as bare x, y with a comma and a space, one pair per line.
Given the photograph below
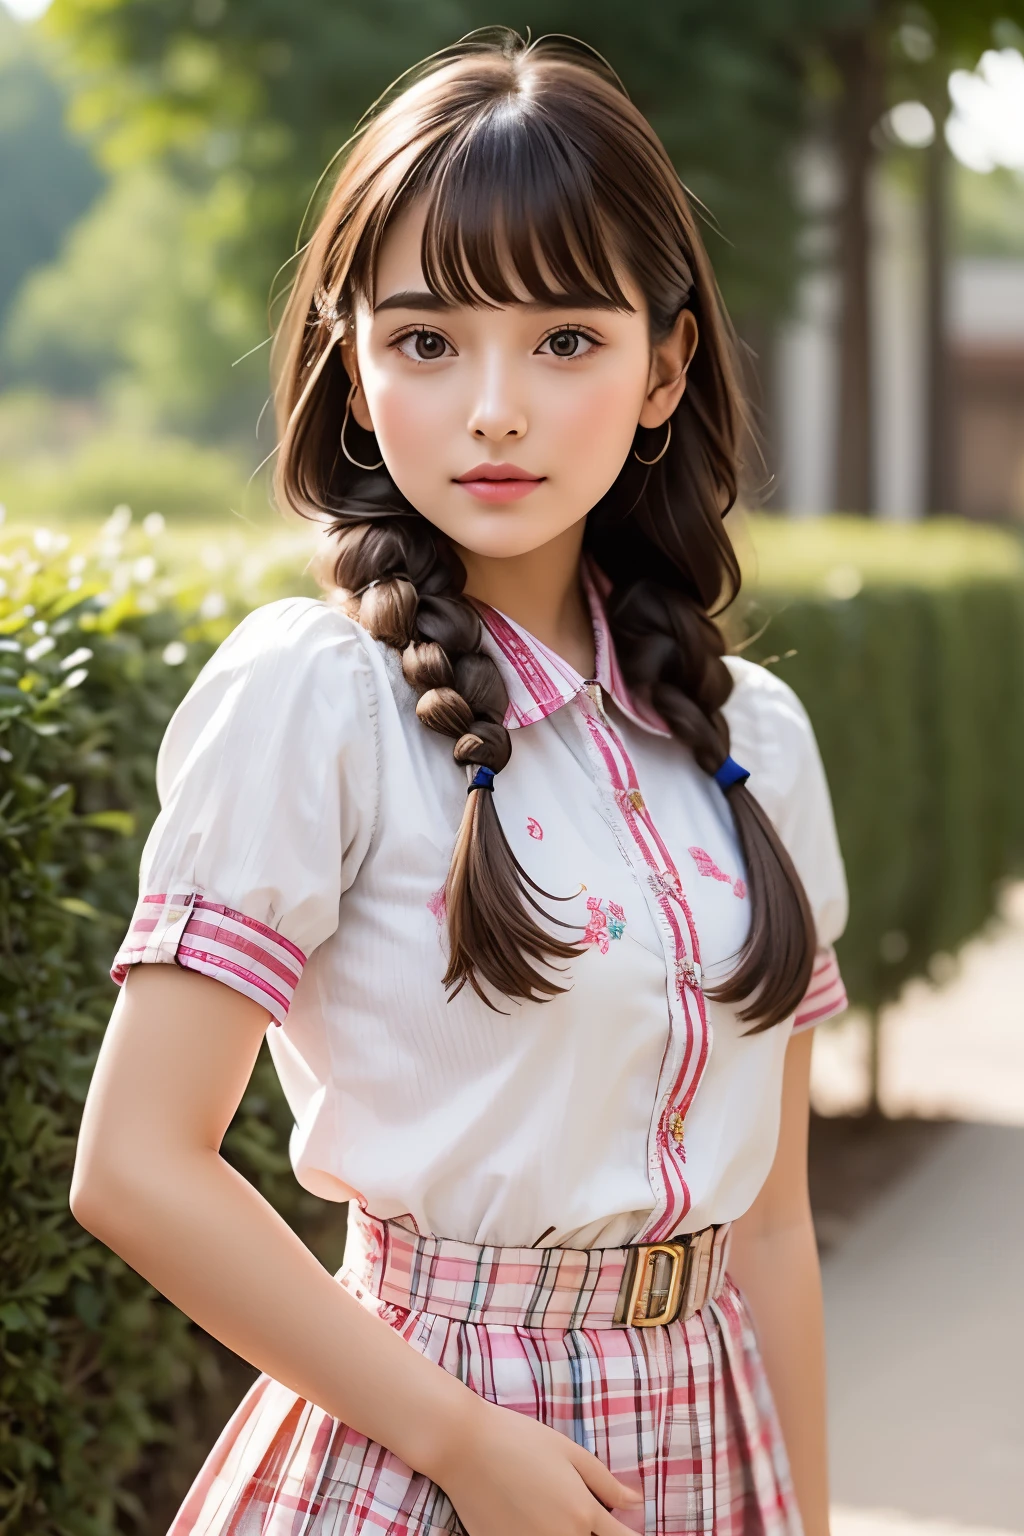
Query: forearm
779, 1275
210, 1243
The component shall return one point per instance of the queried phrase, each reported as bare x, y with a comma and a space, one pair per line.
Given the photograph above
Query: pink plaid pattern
217, 941
682, 1413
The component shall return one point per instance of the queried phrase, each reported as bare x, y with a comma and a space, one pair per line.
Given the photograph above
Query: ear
669, 362
360, 411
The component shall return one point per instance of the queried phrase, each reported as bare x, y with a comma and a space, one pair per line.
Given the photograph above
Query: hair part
538, 177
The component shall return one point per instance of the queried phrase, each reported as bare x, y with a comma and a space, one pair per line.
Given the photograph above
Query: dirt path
924, 1287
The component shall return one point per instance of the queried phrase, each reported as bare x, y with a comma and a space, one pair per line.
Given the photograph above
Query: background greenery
109, 1397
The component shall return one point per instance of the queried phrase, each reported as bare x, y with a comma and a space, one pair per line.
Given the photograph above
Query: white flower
174, 653
9, 645
213, 605
153, 525
144, 568
43, 540
41, 648
3, 587
76, 658
118, 521
76, 678
77, 564
40, 627
74, 582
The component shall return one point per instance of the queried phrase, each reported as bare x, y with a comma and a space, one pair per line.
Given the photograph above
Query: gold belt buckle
643, 1282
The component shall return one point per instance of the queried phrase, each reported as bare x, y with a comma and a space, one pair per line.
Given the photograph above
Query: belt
642, 1285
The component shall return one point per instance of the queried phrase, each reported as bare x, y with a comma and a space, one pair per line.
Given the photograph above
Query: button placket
688, 1042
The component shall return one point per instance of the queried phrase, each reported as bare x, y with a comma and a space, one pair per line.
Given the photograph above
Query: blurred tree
884, 52
258, 97
48, 177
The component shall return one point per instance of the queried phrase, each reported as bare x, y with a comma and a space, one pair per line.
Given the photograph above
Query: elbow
90, 1198
102, 1197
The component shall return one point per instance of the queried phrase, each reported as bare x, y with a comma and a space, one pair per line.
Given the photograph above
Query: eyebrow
412, 299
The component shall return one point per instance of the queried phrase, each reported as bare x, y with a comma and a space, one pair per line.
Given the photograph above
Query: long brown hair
539, 174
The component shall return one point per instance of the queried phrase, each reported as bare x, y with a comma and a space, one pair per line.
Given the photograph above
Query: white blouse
300, 856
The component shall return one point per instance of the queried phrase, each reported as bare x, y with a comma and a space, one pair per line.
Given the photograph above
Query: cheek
591, 427
407, 420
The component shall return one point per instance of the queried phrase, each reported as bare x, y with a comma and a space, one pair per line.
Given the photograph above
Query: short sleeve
773, 737
267, 780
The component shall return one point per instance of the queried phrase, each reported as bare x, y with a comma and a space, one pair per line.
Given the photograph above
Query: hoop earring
344, 424
657, 456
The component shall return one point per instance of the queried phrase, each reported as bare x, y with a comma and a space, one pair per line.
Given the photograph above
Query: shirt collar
539, 682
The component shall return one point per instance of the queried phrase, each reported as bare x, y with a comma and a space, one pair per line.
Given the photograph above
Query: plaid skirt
682, 1413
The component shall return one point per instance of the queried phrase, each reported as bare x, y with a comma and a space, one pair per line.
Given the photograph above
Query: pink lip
499, 482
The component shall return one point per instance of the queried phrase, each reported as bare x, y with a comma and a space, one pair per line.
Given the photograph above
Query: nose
498, 411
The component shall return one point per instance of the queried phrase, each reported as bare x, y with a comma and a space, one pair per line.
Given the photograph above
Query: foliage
47, 177
153, 473
907, 646
95, 650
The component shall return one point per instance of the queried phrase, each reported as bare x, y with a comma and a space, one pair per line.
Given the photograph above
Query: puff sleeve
773, 737
267, 780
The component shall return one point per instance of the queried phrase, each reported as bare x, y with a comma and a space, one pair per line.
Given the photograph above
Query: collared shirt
300, 856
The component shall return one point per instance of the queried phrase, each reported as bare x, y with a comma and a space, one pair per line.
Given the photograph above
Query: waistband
642, 1285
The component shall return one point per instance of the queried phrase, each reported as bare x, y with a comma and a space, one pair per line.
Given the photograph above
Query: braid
408, 595
671, 652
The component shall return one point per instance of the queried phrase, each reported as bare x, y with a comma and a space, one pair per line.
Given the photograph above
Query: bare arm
774, 1261
150, 1183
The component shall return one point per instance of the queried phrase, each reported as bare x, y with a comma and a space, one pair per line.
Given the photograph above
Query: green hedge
94, 1368
915, 682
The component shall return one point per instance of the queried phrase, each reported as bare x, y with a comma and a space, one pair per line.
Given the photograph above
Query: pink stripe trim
826, 995
223, 935
236, 970
252, 922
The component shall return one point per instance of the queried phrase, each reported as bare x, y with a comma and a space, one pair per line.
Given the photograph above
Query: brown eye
429, 345
565, 343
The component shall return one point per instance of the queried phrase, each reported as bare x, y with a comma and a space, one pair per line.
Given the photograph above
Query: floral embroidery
707, 866
739, 888
688, 972
534, 828
603, 926
438, 904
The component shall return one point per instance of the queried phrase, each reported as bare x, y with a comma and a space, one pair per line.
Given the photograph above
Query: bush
906, 644
95, 650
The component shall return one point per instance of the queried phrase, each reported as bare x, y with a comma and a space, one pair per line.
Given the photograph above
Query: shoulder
296, 668
294, 631
770, 730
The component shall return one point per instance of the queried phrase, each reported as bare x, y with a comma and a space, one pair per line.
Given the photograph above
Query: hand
508, 1475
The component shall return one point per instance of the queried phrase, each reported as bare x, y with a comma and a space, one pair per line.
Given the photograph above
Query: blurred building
986, 335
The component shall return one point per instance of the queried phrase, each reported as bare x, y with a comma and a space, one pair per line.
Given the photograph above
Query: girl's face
504, 426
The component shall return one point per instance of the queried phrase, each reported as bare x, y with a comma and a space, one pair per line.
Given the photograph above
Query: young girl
541, 1013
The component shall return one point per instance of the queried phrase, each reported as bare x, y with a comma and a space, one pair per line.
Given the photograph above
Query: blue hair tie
731, 773
482, 779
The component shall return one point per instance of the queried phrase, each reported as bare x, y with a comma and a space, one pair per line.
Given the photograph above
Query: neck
541, 590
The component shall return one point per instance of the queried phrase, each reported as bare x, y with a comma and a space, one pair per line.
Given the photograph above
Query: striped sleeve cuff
826, 995
217, 941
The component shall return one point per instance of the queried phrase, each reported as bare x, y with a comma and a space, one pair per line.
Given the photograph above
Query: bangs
513, 213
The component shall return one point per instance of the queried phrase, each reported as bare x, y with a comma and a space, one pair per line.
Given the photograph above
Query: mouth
499, 482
